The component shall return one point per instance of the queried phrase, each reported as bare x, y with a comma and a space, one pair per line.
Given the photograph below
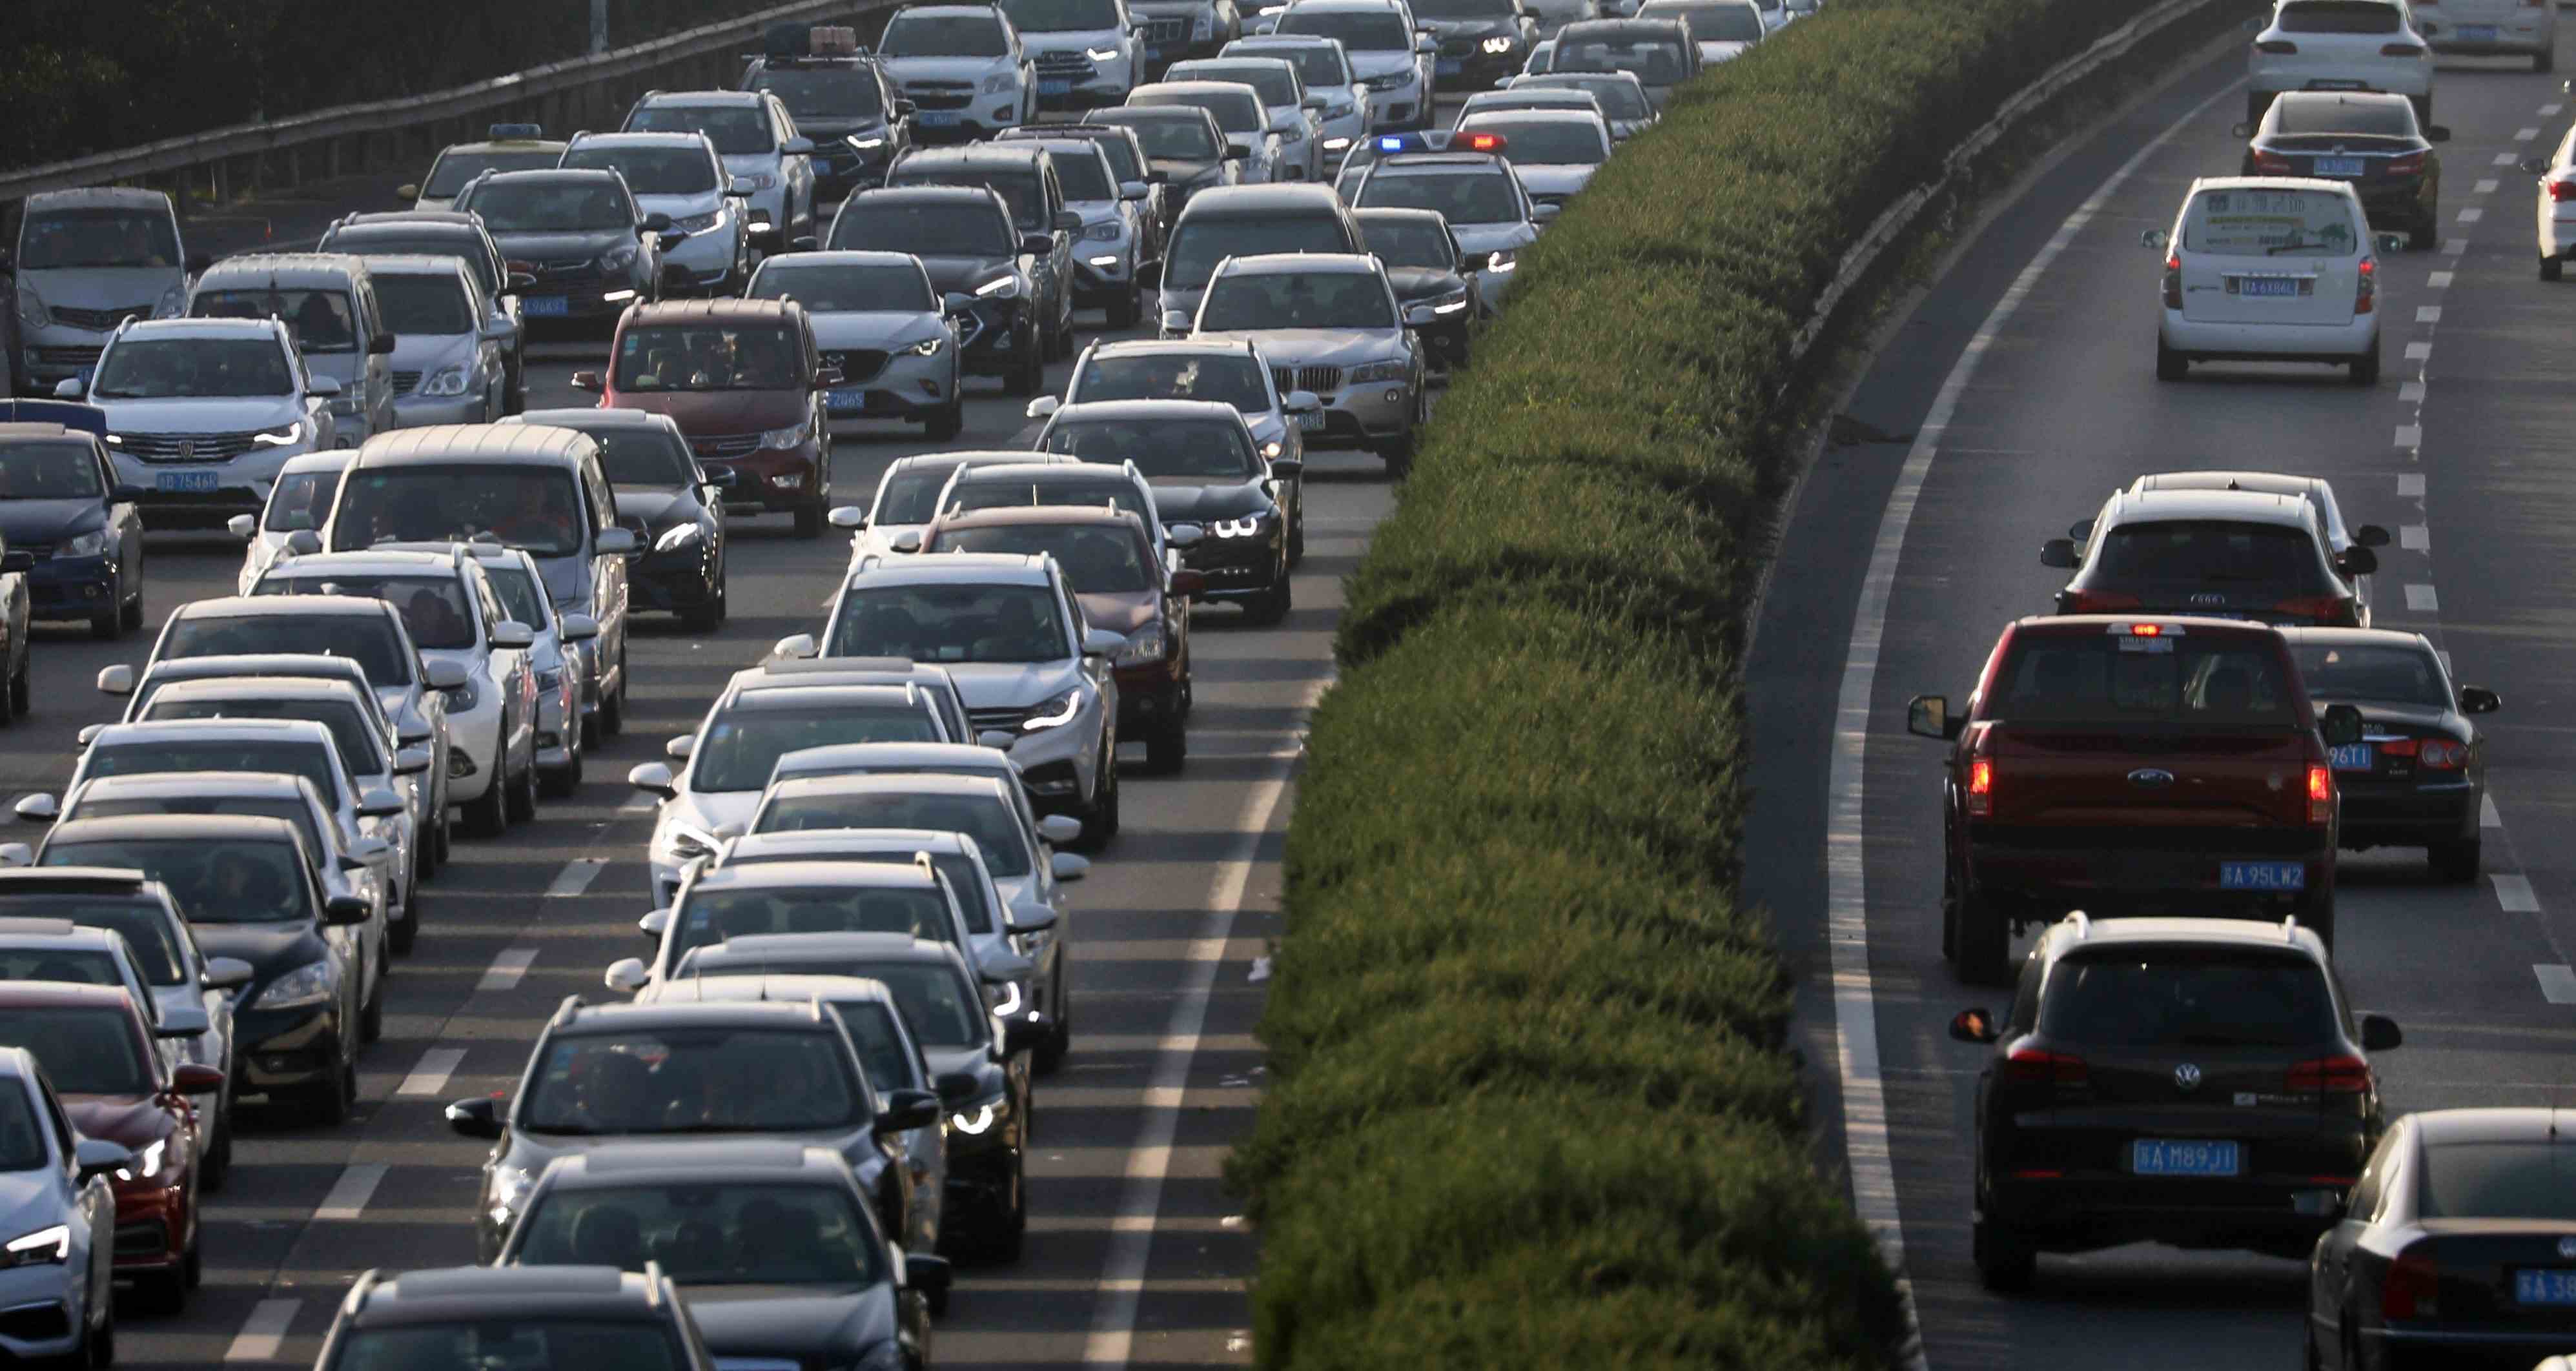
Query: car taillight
2094, 602
2442, 754
2173, 283
2411, 1287
2279, 46
2562, 190
2331, 1076
1981, 787
2407, 165
2365, 291
2321, 794
2400, 50
2038, 1066
2269, 163
2333, 611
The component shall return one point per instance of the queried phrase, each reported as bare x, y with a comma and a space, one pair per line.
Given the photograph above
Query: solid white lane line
576, 877
2410, 435
2417, 352
2409, 392
2514, 893
2428, 314
2410, 486
2472, 214
2486, 186
430, 1077
2439, 280
2487, 816
507, 969
2421, 599
356, 1186
263, 1331
2415, 537
2557, 983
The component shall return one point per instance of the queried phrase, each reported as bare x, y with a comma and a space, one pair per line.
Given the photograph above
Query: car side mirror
2155, 238
17, 561
626, 975
1287, 468
578, 628
519, 281
906, 1110
2341, 725
1067, 221
2537, 166
2059, 553
796, 645
1419, 316
1037, 244
1035, 920
929, 1274
907, 541
956, 302
655, 222
38, 808
475, 1118
2358, 561
226, 973
585, 380
797, 147
1184, 535
243, 526
69, 388
2390, 244
88, 734
2479, 700
186, 1021
193, 1078
2240, 129
1059, 829
116, 680
122, 494
1067, 866
303, 542
1100, 642
2379, 1033
379, 802
1974, 1026
1043, 406
1300, 401
510, 633
1544, 213
1189, 583
653, 778
1175, 322
1928, 716
408, 191
1133, 190
443, 674
1426, 44
1023, 1033
2437, 133
958, 1087
99, 1157
654, 923
341, 911
497, 329
382, 345
847, 516
905, 109
679, 747
411, 761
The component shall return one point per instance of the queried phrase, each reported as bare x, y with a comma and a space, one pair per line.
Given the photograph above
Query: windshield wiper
2294, 247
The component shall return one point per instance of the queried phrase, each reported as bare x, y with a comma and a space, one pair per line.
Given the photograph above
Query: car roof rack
508, 133
2083, 922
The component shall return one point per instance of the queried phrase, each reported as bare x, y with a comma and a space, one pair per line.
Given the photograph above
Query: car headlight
1202, 26
793, 435
1055, 713
31, 311
174, 302
698, 223
510, 1186
283, 435
927, 347
1288, 137
1340, 112
981, 1117
44, 1247
1249, 526
1147, 644
1394, 369
1496, 45
147, 1163
758, 180
446, 381
88, 544
1101, 54
1106, 231
308, 985
870, 143
1005, 999
617, 258
1504, 259
1000, 82
1394, 80
1271, 450
678, 536
1000, 288
1450, 303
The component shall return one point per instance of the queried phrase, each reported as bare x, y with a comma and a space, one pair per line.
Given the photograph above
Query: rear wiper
2293, 247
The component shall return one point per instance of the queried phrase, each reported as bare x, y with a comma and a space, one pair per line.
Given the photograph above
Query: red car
744, 381
115, 1084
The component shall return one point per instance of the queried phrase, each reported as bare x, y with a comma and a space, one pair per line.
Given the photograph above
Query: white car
300, 497
1554, 152
963, 67
60, 1220
1234, 373
2554, 204
1240, 116
877, 322
1335, 94
2269, 268
2491, 28
681, 175
1087, 52
908, 497
2339, 45
1723, 30
449, 340
1392, 57
201, 413
771, 164
1295, 117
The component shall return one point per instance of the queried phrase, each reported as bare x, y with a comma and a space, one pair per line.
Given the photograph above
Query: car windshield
84, 1051
939, 1005
952, 623
736, 130
2384, 675
1359, 30
1654, 61
1020, 191
2339, 16
192, 368
302, 499
943, 35
22, 1142
2270, 223
1189, 449
1247, 301
2242, 560
2533, 1180
453, 169
708, 357
459, 244
743, 746
708, 917
1619, 100
837, 93
69, 965
427, 305
518, 1343
1486, 197
531, 507
2183, 996
963, 879
1117, 152
1719, 23
554, 204
954, 228
1184, 140
1199, 244
367, 640
277, 756
2102, 678
1082, 175
883, 1053
1097, 559
1112, 489
1231, 378
146, 929
1463, 9
1277, 85
1410, 243
709, 1234
348, 724
2387, 118
1059, 16
49, 469
1318, 66
1236, 112
522, 597
651, 170
294, 811
1547, 142
433, 606
228, 882
64, 239
319, 320
911, 495
689, 1079
645, 457
845, 287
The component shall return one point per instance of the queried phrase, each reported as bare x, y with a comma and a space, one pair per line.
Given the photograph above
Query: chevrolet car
1086, 52
963, 66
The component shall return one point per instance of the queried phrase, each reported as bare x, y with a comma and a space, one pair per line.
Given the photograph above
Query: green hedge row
1531, 1103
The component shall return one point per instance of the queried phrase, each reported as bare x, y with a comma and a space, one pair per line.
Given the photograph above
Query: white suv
772, 165
201, 413
1087, 53
2491, 28
2340, 45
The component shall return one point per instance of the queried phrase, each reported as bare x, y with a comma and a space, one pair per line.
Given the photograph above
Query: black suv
479, 1316
578, 234
1001, 290
2197, 1082
1025, 178
846, 105
445, 233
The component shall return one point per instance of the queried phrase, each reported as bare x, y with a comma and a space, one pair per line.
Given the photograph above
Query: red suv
744, 382
2133, 765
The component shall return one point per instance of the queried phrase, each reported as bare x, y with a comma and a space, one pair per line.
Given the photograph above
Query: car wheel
2365, 368
1397, 453
21, 695
1981, 943
945, 423
2455, 862
809, 520
487, 816
2170, 365
2549, 268
2006, 1262
328, 1104
1167, 748
400, 937
371, 1014
522, 798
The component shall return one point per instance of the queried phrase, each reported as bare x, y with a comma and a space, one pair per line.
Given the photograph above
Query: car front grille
857, 364
1321, 380
1077, 65
940, 100
67, 357
1007, 720
99, 320
404, 381
725, 445
1168, 31
567, 275
1458, 47
184, 447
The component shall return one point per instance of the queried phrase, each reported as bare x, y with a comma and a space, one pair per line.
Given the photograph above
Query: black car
2370, 140
2196, 1082
578, 237
60, 504
1024, 176
1427, 269
1002, 290
2457, 1250
1481, 41
1183, 143
845, 104
2419, 773
444, 233
477, 1316
773, 1245
674, 507
1127, 162
1206, 472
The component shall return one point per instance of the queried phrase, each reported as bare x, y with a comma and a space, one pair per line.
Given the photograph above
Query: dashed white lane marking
2514, 893
2487, 816
638, 803
2472, 214
2485, 186
2551, 111
2409, 392
2505, 159
576, 876
430, 1077
2410, 435
2428, 314
2557, 982
2415, 538
2453, 247
2439, 280
2417, 352
2525, 135
263, 1331
2410, 485
507, 969
2421, 599
356, 1186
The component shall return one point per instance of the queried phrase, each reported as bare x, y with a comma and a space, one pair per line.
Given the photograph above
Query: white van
2269, 269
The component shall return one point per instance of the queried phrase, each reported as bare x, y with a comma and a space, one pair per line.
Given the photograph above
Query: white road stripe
2514, 893
2410, 486
2557, 983
356, 1186
2551, 111
2453, 247
2505, 159
2486, 186
2428, 314
2410, 392
576, 877
2472, 214
263, 1331
2525, 135
507, 969
2440, 280
2417, 352
2421, 599
2415, 537
2410, 435
430, 1077
2487, 816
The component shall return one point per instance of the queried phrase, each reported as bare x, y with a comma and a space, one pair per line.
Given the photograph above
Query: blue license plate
847, 397
2262, 876
2477, 33
2274, 287
1450, 66
1054, 85
2544, 1287
544, 306
184, 480
2356, 757
939, 118
1310, 420
2339, 166
2169, 1157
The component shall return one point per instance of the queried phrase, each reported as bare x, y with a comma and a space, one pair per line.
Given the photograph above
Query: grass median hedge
1531, 1103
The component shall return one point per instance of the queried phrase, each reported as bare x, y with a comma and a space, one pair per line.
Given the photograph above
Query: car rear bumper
2087, 1211
2408, 815
2329, 342
2051, 870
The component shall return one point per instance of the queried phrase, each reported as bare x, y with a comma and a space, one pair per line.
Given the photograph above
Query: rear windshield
1292, 300
1546, 142
85, 1051
1187, 140
2391, 118
49, 469
1200, 243
1276, 85
645, 457
2240, 560
708, 917
368, 641
1317, 65
736, 130
146, 930
1183, 449
949, 229
2098, 678
974, 495
214, 883
1655, 61
2499, 1180
2188, 997
349, 725
821, 93
571, 204
962, 622
2338, 16
1098, 559
742, 747
988, 819
2387, 675
462, 244
427, 305
2270, 223
1619, 100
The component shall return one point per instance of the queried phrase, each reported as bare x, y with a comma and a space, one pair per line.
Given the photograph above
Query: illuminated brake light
2270, 163
2330, 610
2411, 1287
1484, 142
2331, 1075
2173, 282
2095, 602
2562, 190
2321, 794
1981, 787
2146, 630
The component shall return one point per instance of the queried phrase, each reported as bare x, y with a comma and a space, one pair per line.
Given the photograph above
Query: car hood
48, 521
1422, 283
1556, 178
815, 1325
561, 247
1011, 685
135, 1121
655, 507
1492, 237
28, 1202
427, 352
1381, 62
705, 810
970, 1061
1466, 28
964, 273
102, 288
1181, 171
1118, 611
201, 414
821, 129
1318, 346
873, 328
271, 949
719, 411
680, 206
750, 163
1190, 502
905, 70
1068, 40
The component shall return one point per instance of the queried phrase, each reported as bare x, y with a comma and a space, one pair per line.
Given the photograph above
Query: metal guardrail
565, 94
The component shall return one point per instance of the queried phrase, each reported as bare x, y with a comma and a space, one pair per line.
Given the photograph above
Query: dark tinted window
1198, 244
953, 229
2498, 1180
49, 469
938, 1003
1721, 23
320, 320
521, 596
640, 457
1462, 9
743, 745
2393, 675
192, 368
227, 883
1410, 243
283, 756
146, 930
1083, 176
367, 640
2339, 16
1058, 16
988, 819
1182, 139
71, 965
944, 35
651, 170
570, 204
2381, 118
761, 356
1297, 299
734, 129
1360, 31
1318, 66
517, 1343
531, 507
105, 237
433, 605
1097, 558
697, 1079
2220, 555
1549, 142
1019, 190
83, 1051
2108, 678
1486, 197
1277, 87
2149, 996
390, 239
294, 811
822, 92
708, 917
910, 496
435, 305
1201, 449
1236, 112
302, 500
348, 724
1619, 100
1230, 378
1654, 61
950, 623
890, 1063
453, 169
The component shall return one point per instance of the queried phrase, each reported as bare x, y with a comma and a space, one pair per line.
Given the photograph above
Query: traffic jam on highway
450, 576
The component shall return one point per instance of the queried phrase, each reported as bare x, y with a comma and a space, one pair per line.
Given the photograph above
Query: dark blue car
67, 525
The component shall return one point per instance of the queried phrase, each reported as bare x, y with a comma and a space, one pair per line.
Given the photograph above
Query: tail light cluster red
2409, 165
2173, 282
2331, 1076
1981, 787
2411, 1288
2562, 190
2400, 50
2442, 754
2095, 602
2267, 163
2038, 1066
2365, 293
2321, 794
2333, 611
